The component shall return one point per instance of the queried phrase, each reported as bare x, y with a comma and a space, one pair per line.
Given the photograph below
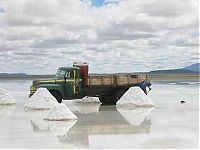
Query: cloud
171, 8
120, 36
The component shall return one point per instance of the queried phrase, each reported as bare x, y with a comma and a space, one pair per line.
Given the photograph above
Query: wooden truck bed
117, 79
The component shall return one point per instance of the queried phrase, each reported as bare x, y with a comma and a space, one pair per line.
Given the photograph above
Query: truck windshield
60, 74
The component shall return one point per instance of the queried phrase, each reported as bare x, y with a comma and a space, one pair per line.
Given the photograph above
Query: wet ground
169, 124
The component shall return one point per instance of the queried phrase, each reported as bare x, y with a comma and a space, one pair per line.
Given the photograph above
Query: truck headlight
33, 89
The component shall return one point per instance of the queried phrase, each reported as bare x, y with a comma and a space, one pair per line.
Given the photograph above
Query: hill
4, 75
194, 68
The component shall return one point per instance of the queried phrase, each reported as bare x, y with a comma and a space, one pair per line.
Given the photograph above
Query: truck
75, 83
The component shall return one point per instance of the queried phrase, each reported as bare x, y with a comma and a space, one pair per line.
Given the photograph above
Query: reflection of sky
2, 9
6, 111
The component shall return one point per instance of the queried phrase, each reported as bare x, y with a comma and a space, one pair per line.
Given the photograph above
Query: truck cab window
60, 74
72, 74
69, 74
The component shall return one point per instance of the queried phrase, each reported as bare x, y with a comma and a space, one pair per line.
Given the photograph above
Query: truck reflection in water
110, 120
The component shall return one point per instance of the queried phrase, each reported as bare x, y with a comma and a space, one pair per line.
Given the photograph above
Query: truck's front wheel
57, 95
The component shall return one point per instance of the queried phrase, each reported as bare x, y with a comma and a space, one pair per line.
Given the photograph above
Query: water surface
169, 124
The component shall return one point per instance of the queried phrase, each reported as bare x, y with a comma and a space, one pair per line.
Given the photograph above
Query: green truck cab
75, 83
67, 84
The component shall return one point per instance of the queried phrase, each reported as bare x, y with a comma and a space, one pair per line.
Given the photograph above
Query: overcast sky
38, 36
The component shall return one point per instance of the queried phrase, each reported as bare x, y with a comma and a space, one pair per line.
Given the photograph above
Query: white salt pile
60, 112
41, 99
88, 99
6, 98
135, 116
135, 96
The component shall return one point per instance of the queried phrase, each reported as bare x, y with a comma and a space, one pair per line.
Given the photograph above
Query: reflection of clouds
6, 110
135, 116
55, 127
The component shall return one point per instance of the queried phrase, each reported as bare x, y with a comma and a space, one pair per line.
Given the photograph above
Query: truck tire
119, 93
112, 98
57, 95
107, 100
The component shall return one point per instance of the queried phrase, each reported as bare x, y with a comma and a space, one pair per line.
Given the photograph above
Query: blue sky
99, 3
124, 36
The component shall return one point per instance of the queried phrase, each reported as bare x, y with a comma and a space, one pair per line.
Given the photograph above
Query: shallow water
169, 124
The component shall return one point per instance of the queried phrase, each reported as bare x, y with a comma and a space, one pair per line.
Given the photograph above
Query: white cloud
37, 36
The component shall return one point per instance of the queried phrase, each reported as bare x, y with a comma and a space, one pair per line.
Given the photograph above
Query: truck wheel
118, 94
57, 95
107, 100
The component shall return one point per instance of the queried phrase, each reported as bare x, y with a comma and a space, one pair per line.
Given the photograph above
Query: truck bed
117, 79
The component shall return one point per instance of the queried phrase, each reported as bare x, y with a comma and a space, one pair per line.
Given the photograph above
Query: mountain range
194, 68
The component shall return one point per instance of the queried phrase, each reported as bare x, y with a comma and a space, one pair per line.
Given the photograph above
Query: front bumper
30, 95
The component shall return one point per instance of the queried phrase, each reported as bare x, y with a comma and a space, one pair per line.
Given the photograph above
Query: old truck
75, 83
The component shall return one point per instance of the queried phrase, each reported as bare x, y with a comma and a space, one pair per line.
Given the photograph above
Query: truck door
70, 80
77, 83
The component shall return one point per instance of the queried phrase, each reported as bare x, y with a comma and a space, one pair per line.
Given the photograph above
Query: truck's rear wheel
112, 98
118, 94
107, 100
57, 95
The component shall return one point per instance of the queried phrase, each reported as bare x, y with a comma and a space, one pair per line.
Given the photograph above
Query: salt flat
169, 124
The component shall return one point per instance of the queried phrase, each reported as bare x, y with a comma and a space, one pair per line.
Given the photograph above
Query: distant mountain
171, 71
13, 75
194, 68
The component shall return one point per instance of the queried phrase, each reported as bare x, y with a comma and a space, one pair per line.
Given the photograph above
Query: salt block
60, 113
6, 98
41, 99
88, 99
135, 96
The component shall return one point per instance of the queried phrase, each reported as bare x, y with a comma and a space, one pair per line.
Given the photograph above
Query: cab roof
68, 68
